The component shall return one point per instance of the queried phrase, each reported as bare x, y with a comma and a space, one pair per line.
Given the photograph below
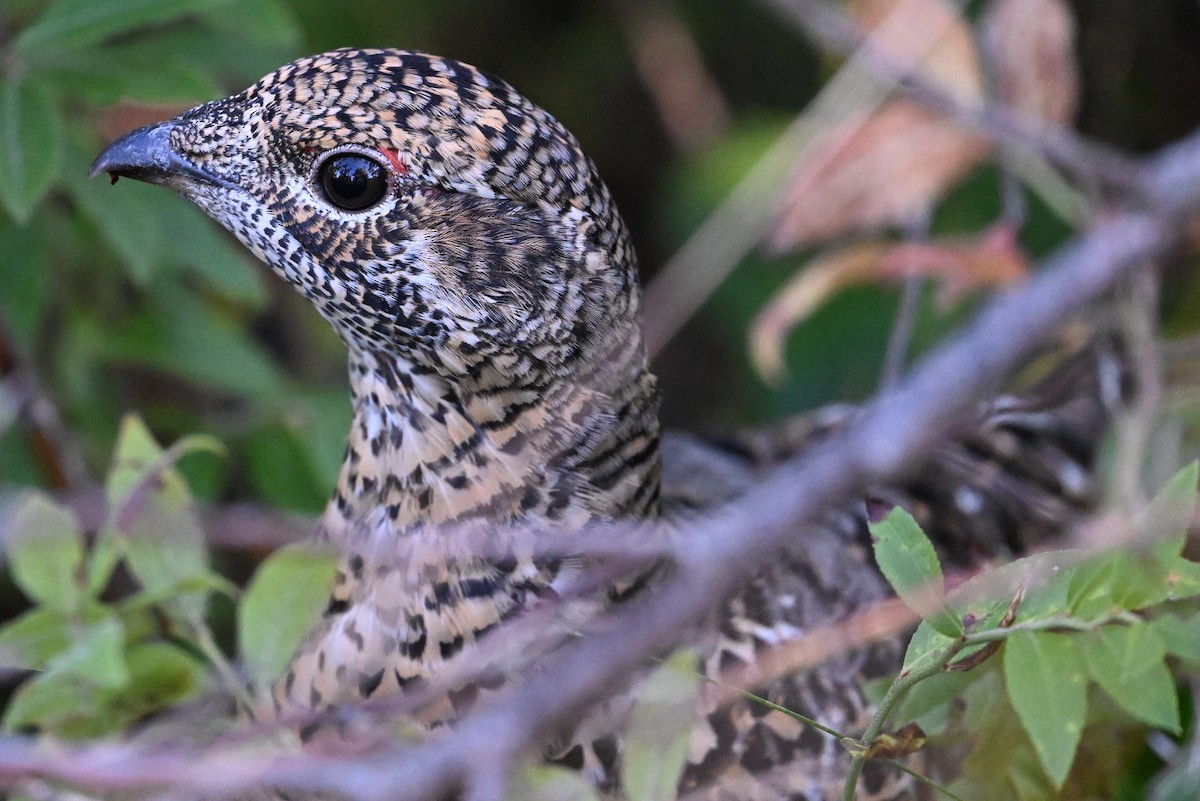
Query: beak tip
97, 167
147, 155
144, 154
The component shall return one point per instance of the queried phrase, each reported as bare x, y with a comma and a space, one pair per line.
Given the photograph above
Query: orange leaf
1033, 45
875, 170
961, 265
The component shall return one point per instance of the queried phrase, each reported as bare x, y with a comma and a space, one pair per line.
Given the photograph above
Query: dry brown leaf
930, 32
959, 264
875, 170
909, 739
1032, 43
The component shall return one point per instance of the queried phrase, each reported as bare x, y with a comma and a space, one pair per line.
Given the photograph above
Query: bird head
430, 212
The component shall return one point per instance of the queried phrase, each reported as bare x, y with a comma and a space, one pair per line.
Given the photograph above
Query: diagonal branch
717, 555
721, 553
835, 30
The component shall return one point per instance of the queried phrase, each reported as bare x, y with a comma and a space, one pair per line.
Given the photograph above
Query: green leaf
148, 70
1047, 683
45, 550
1165, 521
98, 657
152, 523
926, 703
135, 455
204, 583
160, 675
550, 783
1002, 763
31, 639
210, 253
1182, 579
165, 549
910, 564
660, 726
278, 470
927, 645
72, 24
31, 145
201, 342
271, 23
1180, 635
98, 688
282, 603
127, 220
141, 465
1128, 662
1092, 591
55, 702
25, 300
318, 422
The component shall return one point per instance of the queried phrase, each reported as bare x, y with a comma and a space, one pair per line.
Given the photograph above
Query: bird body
473, 262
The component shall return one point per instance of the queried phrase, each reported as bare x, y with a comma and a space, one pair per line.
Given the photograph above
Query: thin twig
835, 30
737, 226
718, 554
62, 456
1135, 428
906, 315
688, 99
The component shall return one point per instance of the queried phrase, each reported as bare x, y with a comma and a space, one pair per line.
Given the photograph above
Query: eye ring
351, 180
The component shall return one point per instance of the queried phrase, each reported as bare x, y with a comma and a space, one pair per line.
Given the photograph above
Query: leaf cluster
102, 287
118, 627
1081, 638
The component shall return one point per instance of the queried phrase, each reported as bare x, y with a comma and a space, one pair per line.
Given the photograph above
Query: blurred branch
740, 223
55, 448
689, 101
906, 315
742, 220
716, 556
235, 527
1135, 428
835, 30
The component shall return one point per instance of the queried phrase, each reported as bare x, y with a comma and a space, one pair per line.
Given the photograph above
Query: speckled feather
489, 305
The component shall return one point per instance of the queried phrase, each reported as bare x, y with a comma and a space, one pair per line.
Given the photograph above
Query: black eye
353, 182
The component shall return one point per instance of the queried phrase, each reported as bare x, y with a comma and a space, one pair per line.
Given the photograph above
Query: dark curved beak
146, 155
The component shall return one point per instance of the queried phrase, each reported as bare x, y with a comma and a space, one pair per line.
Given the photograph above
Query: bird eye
353, 182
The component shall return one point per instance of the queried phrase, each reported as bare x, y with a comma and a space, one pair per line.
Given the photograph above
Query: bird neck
428, 449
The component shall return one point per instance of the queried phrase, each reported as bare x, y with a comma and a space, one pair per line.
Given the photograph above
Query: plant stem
212, 652
900, 686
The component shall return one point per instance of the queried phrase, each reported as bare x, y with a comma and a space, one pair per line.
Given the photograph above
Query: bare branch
716, 557
723, 551
834, 30
739, 224
60, 455
906, 316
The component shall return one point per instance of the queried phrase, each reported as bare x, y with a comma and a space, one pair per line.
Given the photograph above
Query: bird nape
473, 262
